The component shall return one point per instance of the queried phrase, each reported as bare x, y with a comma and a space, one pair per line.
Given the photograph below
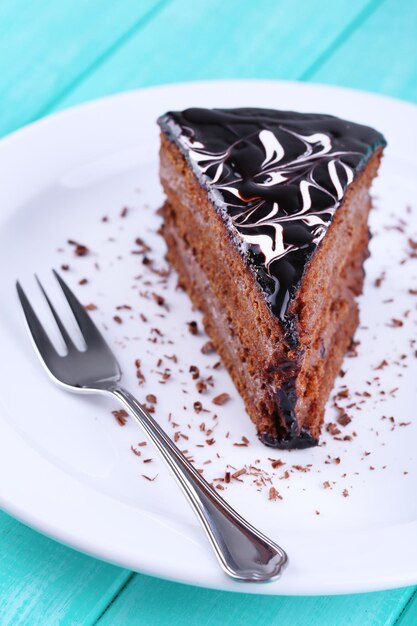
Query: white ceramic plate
66, 466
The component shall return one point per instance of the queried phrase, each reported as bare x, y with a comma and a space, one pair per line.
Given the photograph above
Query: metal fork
243, 552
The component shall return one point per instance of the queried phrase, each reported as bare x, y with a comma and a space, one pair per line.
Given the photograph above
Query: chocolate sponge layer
284, 378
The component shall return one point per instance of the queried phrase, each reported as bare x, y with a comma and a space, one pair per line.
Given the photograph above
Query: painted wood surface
43, 582
46, 47
140, 603
379, 56
268, 40
55, 54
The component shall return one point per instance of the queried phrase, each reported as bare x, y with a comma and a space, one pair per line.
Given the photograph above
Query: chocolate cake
266, 224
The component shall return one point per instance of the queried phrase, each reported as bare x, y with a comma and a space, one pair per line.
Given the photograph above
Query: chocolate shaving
79, 248
395, 323
302, 468
344, 419
139, 374
378, 281
192, 328
143, 247
121, 416
148, 477
221, 398
276, 463
274, 494
207, 348
381, 366
239, 473
333, 429
160, 300
194, 371
244, 444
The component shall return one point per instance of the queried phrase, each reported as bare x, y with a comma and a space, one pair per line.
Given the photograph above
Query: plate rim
34, 521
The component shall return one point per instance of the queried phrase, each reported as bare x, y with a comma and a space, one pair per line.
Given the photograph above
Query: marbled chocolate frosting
276, 178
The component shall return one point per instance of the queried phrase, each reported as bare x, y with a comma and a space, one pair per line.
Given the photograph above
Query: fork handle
243, 552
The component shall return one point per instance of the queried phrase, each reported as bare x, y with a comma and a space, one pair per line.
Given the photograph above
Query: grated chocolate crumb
276, 463
149, 478
79, 248
344, 419
207, 348
221, 398
139, 374
192, 328
274, 494
395, 323
194, 371
121, 416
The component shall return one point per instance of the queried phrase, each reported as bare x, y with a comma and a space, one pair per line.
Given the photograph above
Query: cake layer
266, 224
284, 386
255, 387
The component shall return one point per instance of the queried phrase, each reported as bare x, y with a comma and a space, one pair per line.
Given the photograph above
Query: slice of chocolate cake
266, 224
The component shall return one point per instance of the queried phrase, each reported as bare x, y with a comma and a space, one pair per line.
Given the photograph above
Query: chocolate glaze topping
276, 178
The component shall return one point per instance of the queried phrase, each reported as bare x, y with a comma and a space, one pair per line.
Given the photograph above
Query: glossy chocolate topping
276, 178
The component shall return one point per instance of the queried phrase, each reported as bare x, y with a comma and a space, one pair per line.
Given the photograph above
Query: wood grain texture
408, 616
269, 39
44, 583
380, 55
140, 603
46, 46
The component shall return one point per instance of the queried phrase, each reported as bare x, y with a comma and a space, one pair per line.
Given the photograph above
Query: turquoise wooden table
56, 54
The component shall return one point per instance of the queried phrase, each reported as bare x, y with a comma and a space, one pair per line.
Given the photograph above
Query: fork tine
67, 339
88, 329
40, 337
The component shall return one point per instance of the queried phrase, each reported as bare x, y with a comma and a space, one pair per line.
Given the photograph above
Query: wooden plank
408, 616
46, 46
140, 603
43, 583
380, 55
216, 39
